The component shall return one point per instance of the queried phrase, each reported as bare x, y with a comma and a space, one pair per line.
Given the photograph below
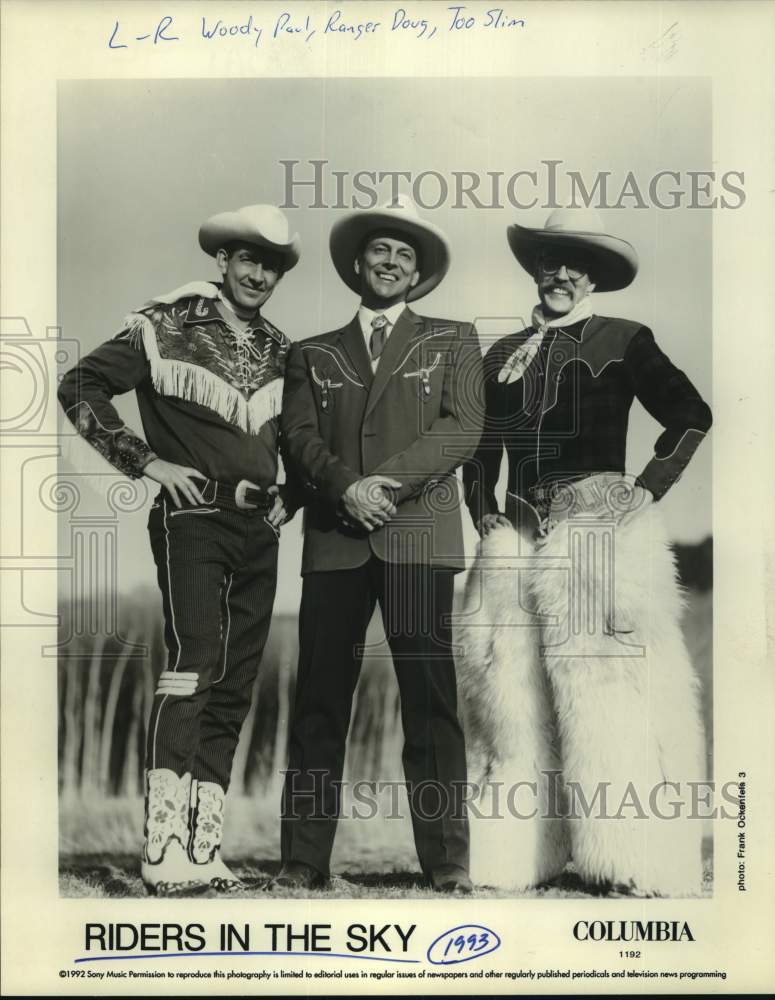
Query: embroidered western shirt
566, 416
209, 395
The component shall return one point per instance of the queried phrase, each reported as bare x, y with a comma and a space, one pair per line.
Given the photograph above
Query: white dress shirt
365, 316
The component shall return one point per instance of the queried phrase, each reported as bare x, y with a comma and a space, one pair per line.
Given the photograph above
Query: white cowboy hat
348, 235
263, 225
614, 261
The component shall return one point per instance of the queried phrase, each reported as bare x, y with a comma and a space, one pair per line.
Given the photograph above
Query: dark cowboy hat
349, 234
613, 262
262, 225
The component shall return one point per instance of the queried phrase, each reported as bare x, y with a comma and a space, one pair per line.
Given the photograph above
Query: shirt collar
391, 314
203, 310
576, 330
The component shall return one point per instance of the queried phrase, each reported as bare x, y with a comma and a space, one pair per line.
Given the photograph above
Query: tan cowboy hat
263, 225
349, 233
614, 261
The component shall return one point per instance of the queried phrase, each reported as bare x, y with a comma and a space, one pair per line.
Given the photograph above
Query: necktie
379, 327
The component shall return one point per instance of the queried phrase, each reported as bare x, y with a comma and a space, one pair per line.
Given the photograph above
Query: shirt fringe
172, 377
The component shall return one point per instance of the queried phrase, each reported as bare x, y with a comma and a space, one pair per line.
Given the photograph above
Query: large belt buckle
239, 494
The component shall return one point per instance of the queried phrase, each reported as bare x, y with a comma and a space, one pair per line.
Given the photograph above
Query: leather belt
589, 491
244, 496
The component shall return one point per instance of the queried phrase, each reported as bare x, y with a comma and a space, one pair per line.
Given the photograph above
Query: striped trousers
217, 571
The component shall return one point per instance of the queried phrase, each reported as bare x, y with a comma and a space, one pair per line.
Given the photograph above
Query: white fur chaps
572, 659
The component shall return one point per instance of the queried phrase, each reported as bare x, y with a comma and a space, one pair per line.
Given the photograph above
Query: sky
142, 163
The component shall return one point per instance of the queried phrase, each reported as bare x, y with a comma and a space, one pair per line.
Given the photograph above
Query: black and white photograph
375, 483
553, 417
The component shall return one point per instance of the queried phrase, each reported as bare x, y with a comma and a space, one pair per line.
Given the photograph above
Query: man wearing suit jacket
377, 416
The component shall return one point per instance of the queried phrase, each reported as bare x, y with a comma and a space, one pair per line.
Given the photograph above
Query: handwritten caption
462, 944
170, 30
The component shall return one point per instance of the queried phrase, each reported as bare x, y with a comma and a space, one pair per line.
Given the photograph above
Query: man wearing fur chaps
581, 701
208, 371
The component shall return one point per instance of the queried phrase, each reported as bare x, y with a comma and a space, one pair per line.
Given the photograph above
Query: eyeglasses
575, 271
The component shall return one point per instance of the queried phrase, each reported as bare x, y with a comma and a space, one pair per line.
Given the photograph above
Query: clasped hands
368, 502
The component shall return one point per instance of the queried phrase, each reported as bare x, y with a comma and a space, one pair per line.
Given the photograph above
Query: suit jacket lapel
406, 327
354, 346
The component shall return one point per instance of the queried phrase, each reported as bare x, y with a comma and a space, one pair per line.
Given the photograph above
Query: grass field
104, 699
101, 841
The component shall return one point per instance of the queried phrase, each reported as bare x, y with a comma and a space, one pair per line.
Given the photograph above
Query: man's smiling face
563, 281
250, 274
388, 269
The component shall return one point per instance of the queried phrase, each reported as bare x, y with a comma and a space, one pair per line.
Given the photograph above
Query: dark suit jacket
416, 419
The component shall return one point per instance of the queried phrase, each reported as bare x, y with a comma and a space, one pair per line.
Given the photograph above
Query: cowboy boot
207, 808
166, 868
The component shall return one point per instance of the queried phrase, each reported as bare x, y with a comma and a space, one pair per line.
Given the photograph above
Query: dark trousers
217, 570
336, 608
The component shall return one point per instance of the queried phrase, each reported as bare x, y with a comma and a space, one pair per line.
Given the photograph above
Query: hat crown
268, 220
574, 220
259, 225
401, 203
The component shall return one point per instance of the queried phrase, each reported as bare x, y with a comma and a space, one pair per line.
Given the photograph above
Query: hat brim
218, 232
348, 235
614, 262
